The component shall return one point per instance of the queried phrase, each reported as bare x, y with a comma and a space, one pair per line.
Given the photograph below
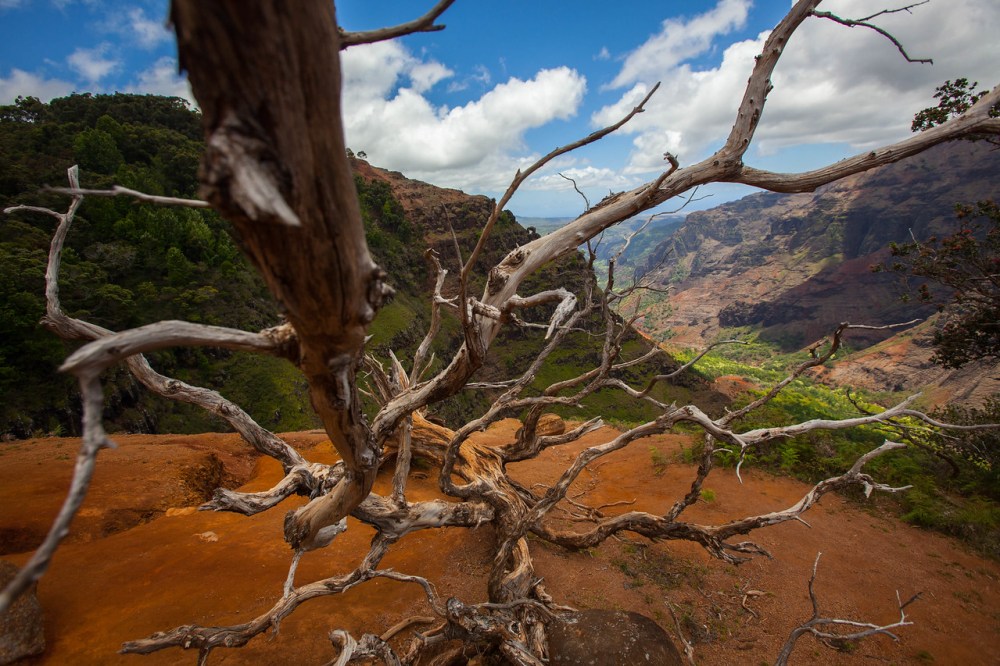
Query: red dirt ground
132, 567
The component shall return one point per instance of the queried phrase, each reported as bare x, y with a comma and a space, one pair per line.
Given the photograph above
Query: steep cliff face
443, 216
449, 222
793, 266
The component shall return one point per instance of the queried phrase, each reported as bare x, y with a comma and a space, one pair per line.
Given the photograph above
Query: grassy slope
966, 505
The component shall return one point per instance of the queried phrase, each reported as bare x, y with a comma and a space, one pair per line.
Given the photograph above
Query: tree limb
119, 191
423, 24
864, 629
712, 538
94, 440
285, 184
864, 22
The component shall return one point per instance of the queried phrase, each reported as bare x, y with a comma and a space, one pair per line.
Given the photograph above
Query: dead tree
268, 83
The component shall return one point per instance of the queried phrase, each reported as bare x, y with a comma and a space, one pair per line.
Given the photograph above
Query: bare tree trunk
276, 167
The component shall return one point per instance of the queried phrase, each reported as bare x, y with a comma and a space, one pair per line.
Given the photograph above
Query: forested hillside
128, 264
125, 264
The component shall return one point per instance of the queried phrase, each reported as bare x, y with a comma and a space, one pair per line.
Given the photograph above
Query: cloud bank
26, 84
833, 84
836, 88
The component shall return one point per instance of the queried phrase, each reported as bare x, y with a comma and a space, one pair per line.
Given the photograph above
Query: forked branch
714, 538
820, 626
519, 178
94, 439
866, 23
815, 360
119, 191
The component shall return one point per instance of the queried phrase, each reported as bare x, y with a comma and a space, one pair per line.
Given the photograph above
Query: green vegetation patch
955, 479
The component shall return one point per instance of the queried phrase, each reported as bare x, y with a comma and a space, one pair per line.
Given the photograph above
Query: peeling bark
276, 167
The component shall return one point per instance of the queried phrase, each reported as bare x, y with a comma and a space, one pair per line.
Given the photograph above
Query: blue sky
509, 80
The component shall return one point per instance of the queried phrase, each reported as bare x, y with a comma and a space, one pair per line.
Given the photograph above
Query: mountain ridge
781, 249
790, 267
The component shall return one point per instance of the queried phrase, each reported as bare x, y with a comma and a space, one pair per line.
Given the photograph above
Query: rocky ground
140, 559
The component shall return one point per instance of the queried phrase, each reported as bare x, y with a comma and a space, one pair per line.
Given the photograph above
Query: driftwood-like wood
423, 24
276, 167
267, 78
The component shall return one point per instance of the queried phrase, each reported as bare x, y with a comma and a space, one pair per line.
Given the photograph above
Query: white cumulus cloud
92, 65
425, 75
681, 39
147, 32
388, 116
161, 78
833, 84
21, 83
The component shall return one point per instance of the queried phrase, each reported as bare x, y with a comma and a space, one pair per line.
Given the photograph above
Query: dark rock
20, 539
21, 629
610, 638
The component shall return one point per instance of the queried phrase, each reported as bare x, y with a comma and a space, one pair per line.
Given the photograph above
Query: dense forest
128, 264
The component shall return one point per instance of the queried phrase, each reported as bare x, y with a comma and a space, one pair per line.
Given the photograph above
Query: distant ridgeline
793, 266
128, 264
632, 241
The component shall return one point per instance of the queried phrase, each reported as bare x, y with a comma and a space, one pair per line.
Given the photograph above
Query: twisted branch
423, 24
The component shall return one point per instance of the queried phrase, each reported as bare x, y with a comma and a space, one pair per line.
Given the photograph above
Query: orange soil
214, 568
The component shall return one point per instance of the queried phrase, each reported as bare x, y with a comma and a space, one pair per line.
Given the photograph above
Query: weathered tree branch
285, 184
586, 201
119, 191
726, 164
303, 478
712, 538
423, 24
497, 277
864, 629
86, 458
976, 120
865, 23
684, 368
69, 328
437, 300
110, 349
205, 639
815, 361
